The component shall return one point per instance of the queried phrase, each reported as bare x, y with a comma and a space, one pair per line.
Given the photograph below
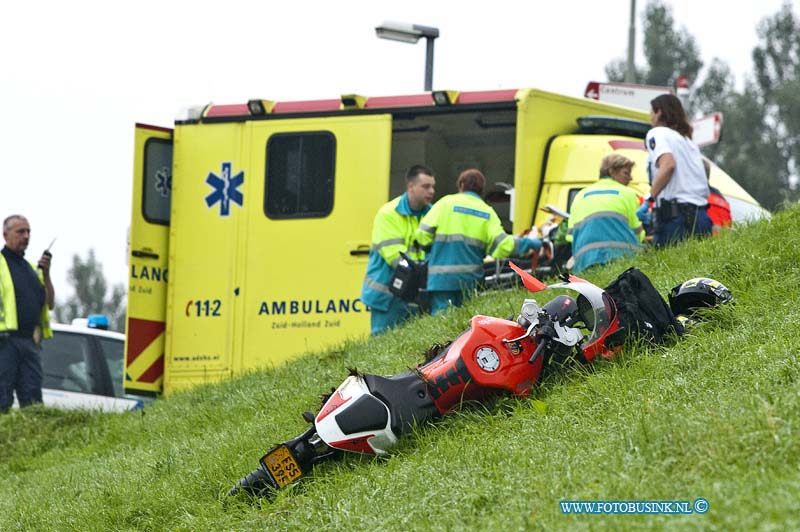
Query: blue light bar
97, 321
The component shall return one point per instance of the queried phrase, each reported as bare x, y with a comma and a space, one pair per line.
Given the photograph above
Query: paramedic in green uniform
461, 229
602, 221
393, 233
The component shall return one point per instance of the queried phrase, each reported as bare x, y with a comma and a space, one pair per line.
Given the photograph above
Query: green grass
714, 416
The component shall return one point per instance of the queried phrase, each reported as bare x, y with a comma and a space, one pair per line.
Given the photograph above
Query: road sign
707, 129
683, 85
626, 94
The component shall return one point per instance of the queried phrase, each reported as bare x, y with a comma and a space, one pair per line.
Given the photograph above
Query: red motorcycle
367, 413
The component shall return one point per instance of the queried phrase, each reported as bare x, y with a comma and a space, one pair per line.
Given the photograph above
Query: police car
83, 365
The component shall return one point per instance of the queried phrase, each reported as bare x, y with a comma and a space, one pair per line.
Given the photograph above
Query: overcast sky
76, 75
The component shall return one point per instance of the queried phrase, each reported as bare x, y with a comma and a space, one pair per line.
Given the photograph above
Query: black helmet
562, 308
697, 293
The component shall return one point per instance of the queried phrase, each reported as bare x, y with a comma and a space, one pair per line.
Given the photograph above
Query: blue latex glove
644, 214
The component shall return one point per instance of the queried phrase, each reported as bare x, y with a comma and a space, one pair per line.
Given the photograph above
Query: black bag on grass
642, 311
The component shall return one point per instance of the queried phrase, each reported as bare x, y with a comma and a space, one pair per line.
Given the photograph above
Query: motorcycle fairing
358, 421
599, 314
456, 375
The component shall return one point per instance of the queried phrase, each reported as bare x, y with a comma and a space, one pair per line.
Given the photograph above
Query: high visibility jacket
461, 230
719, 211
392, 233
8, 302
603, 224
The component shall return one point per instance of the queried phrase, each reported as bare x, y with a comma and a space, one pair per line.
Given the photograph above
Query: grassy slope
715, 416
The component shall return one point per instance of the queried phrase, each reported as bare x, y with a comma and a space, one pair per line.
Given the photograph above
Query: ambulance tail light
445, 97
260, 107
195, 112
353, 101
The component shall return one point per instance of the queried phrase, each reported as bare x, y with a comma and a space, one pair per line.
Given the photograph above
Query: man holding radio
26, 296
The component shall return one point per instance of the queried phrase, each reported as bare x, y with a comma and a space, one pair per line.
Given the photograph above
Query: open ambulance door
321, 182
209, 205
147, 260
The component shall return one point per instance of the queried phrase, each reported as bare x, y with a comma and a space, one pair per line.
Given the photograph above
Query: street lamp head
410, 33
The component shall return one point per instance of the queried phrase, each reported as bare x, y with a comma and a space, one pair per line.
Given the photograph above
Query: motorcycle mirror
529, 281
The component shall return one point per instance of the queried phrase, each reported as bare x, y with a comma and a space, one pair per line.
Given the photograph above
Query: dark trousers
442, 300
685, 221
398, 312
20, 371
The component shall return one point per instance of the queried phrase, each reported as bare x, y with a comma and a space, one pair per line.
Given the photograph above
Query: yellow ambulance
251, 222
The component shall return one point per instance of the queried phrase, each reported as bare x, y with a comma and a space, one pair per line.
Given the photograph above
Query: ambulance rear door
147, 259
320, 183
208, 214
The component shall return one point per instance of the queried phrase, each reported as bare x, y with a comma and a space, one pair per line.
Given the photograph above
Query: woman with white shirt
679, 186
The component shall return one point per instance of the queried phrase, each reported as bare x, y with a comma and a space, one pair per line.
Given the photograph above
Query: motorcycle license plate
282, 465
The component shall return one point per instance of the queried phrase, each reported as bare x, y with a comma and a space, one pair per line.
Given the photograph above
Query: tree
761, 123
90, 297
777, 75
716, 88
760, 145
749, 148
615, 71
669, 52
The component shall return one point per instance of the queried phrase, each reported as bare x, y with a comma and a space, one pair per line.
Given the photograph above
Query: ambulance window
300, 175
157, 181
572, 193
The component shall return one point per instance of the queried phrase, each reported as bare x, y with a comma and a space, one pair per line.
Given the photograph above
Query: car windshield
113, 352
65, 361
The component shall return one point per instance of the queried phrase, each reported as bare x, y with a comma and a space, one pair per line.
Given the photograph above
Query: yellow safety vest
461, 230
8, 302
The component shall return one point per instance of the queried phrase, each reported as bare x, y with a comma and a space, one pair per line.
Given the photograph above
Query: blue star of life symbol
226, 189
163, 181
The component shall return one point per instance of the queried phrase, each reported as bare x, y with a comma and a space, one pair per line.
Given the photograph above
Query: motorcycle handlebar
539, 348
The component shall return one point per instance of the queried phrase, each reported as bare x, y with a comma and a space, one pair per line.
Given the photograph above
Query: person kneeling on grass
603, 223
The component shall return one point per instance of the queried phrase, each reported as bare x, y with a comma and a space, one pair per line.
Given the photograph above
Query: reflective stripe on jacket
461, 229
8, 302
392, 233
603, 224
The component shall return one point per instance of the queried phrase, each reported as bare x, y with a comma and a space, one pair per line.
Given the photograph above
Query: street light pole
630, 70
429, 63
411, 33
